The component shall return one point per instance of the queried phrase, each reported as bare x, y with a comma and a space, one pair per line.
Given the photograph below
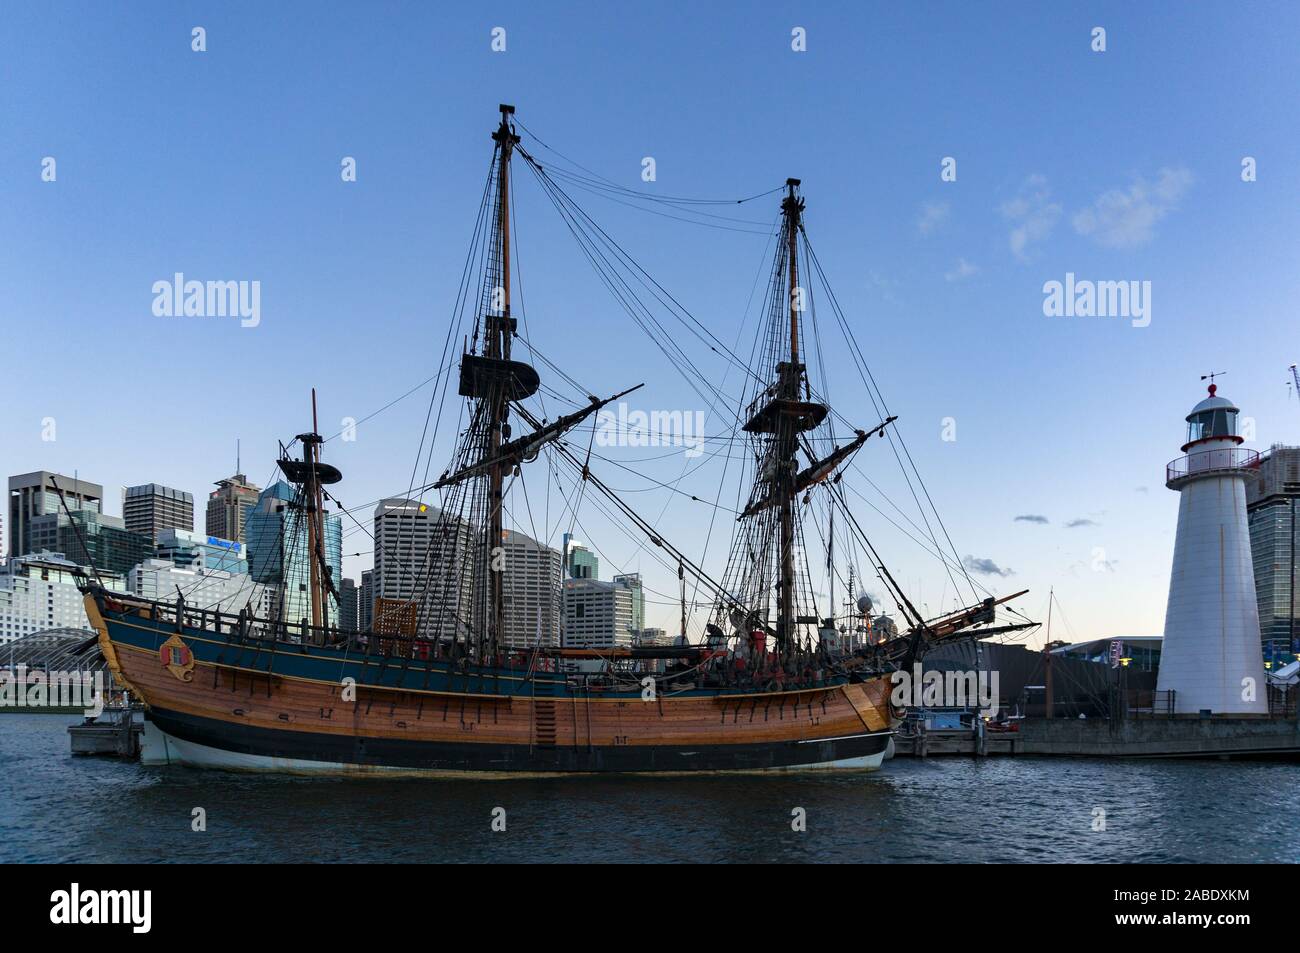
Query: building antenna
237, 460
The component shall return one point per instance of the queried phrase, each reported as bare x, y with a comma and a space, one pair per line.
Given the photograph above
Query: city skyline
1062, 425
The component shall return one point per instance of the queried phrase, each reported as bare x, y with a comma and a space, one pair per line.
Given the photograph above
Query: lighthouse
1212, 657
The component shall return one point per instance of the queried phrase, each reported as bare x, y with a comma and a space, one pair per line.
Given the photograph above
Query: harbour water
54, 808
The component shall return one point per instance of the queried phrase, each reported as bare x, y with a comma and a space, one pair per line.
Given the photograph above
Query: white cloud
933, 214
1126, 219
964, 269
1032, 215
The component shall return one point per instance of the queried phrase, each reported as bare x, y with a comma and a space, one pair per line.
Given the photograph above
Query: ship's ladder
543, 713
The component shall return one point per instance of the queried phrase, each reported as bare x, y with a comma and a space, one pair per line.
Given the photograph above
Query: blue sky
1122, 165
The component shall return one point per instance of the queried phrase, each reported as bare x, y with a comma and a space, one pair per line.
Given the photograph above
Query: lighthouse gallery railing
1208, 462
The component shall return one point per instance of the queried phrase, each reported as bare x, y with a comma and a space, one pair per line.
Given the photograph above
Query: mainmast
494, 382
500, 328
787, 436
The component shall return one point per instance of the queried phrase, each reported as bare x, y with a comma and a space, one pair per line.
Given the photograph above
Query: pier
115, 733
1181, 737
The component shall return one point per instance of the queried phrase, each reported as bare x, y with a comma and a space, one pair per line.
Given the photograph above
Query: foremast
312, 475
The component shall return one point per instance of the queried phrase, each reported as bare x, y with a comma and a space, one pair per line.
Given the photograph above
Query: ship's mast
495, 384
787, 435
312, 474
315, 517
500, 329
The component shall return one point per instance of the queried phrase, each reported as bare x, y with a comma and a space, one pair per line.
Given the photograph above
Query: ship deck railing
245, 629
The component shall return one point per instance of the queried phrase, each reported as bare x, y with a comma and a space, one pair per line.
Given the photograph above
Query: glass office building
90, 538
1272, 517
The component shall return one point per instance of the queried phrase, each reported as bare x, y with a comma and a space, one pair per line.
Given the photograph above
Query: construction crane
1295, 378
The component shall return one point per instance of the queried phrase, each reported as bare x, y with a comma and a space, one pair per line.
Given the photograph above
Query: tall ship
443, 684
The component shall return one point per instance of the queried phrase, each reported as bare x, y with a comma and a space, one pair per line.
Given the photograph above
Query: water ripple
1022, 810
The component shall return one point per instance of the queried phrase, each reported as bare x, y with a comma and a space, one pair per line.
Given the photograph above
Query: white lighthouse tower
1212, 657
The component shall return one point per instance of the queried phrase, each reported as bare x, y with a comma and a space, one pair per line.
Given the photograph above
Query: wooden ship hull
218, 697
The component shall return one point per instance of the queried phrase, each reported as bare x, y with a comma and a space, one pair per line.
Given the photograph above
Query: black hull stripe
472, 756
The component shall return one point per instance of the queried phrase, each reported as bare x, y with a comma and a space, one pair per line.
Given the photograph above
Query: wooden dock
116, 733
952, 742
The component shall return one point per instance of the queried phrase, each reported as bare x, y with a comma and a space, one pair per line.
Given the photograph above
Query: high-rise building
1211, 656
349, 605
366, 603
90, 538
530, 591
428, 560
579, 561
1271, 504
597, 615
279, 553
152, 508
35, 494
189, 549
203, 588
39, 592
228, 508
632, 581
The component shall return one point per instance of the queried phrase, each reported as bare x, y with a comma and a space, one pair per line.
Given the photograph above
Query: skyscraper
579, 561
279, 553
597, 615
90, 538
349, 605
34, 494
426, 560
530, 589
228, 508
366, 603
152, 508
1271, 504
632, 582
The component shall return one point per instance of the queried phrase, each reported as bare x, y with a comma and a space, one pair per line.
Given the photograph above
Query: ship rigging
453, 647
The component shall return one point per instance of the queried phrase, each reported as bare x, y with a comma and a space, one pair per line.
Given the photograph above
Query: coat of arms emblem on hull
177, 658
